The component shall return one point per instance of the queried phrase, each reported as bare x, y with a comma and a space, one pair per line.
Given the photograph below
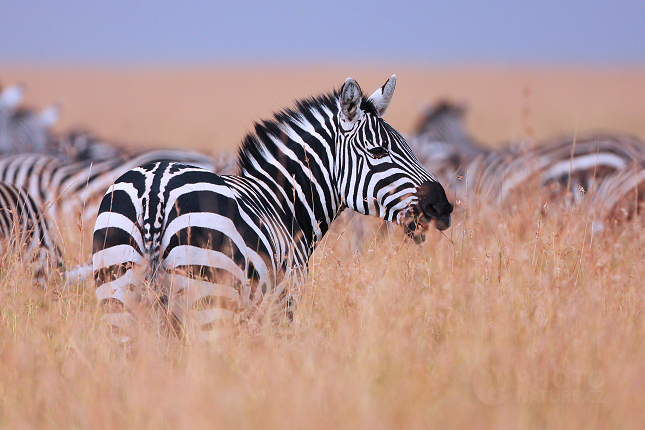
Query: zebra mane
255, 143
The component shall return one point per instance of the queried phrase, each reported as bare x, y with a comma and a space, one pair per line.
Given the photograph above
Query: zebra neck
302, 196
295, 173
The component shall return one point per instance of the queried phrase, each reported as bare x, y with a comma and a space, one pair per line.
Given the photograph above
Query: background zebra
218, 247
23, 129
22, 225
64, 188
561, 170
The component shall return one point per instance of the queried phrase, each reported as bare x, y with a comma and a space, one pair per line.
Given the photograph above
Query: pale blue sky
577, 32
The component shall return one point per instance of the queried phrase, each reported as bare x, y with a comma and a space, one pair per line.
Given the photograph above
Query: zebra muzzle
434, 205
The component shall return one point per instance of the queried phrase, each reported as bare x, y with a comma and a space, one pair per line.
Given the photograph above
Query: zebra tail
77, 274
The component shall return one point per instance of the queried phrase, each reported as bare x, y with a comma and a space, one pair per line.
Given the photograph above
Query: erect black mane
254, 142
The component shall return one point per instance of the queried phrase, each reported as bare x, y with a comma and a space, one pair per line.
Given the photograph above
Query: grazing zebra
562, 169
22, 223
80, 145
217, 247
63, 188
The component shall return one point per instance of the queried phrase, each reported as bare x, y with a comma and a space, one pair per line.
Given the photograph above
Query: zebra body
22, 222
563, 169
63, 188
217, 247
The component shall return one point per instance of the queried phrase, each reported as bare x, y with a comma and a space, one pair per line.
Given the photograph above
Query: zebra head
377, 172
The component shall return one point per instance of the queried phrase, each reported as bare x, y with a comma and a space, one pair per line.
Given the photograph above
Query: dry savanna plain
515, 317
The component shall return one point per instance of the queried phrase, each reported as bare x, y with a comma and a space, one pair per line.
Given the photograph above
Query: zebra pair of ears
50, 115
351, 97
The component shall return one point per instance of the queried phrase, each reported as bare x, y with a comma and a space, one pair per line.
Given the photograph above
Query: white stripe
199, 288
117, 289
585, 162
115, 255
205, 220
116, 220
190, 255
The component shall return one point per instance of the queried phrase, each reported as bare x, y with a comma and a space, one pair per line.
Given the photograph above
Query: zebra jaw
415, 226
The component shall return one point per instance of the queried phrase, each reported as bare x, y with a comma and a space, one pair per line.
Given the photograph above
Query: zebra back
63, 189
562, 169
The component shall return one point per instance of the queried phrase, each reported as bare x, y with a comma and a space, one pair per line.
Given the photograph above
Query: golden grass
513, 319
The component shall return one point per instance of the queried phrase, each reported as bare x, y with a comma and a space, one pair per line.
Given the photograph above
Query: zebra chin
432, 205
416, 226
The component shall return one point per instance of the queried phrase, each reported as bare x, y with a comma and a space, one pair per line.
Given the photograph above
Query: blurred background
197, 74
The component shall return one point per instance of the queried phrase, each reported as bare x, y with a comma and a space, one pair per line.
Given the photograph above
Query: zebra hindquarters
118, 260
206, 260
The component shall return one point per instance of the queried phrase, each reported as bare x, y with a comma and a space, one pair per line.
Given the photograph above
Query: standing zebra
9, 99
22, 129
22, 223
217, 247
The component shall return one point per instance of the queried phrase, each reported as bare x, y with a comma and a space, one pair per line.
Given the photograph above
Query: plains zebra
63, 188
22, 223
217, 247
562, 169
22, 129
9, 99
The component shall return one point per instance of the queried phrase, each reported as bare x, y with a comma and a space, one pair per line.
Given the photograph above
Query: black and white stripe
563, 169
218, 247
22, 225
63, 188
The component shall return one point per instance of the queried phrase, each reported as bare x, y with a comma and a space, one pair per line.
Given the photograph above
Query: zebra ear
382, 97
10, 97
49, 116
350, 102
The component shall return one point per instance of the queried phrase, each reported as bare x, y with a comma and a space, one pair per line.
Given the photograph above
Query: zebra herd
605, 171
217, 240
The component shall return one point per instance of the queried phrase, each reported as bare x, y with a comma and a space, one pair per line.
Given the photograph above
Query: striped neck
293, 155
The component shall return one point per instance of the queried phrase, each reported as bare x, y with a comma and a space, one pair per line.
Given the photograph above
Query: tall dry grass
515, 318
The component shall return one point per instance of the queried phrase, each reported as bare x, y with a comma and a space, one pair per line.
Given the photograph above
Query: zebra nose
434, 204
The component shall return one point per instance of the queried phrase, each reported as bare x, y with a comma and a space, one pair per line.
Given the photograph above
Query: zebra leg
119, 269
199, 306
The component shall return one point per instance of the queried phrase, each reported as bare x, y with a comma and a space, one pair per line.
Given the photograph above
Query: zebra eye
378, 152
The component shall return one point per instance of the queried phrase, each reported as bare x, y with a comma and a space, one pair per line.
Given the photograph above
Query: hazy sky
419, 32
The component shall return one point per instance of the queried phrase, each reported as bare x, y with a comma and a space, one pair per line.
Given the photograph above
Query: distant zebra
9, 99
22, 129
64, 188
218, 247
22, 224
562, 169
81, 145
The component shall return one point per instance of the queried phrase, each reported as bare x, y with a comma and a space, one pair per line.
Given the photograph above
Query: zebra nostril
431, 210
